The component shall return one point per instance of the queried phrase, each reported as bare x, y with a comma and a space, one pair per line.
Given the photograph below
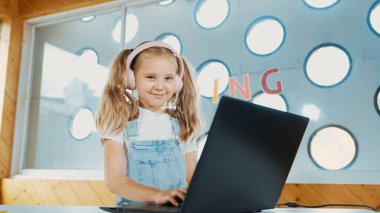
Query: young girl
149, 151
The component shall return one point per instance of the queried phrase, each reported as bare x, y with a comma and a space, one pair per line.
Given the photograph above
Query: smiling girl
149, 141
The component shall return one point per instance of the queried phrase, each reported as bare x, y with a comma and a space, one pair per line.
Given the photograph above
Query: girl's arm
191, 163
114, 168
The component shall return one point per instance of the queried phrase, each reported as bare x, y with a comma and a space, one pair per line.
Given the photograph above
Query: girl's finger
184, 190
173, 201
180, 195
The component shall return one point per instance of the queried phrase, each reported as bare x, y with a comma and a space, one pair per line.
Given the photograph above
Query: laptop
245, 162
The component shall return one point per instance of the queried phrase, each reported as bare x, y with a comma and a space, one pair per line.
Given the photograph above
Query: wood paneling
34, 8
10, 49
9, 8
56, 192
63, 192
8, 118
317, 194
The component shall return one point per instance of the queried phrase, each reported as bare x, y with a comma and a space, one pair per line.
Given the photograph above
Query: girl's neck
157, 111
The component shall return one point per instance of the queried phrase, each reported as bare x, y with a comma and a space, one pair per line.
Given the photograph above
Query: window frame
25, 88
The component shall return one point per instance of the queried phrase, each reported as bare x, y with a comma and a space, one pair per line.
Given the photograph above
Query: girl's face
155, 81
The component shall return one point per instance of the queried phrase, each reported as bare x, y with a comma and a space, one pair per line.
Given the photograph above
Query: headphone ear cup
130, 80
179, 84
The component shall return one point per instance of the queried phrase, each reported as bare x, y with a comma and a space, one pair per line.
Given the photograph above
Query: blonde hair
114, 112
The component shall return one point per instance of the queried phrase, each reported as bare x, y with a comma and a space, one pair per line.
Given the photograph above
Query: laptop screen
246, 159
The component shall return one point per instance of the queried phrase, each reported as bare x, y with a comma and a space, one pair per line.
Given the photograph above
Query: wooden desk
95, 209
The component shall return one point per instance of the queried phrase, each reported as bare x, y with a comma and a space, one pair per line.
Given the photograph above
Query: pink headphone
130, 83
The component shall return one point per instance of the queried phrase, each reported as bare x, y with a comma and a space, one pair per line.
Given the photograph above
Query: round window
87, 18
172, 40
318, 4
166, 2
332, 147
212, 75
374, 18
211, 13
131, 28
265, 36
328, 65
82, 124
89, 55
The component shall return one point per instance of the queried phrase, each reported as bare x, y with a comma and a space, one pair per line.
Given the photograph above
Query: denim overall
155, 163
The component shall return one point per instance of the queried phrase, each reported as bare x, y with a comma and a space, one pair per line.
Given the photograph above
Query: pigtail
114, 111
187, 111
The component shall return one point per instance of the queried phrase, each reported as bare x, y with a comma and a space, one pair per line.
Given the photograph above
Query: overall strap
132, 129
176, 128
132, 132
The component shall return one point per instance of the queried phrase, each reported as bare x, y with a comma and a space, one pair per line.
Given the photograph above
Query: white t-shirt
152, 126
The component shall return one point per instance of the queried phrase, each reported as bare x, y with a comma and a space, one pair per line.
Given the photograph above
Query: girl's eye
150, 77
169, 78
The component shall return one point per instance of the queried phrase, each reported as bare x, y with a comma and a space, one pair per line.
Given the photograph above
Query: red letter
264, 82
246, 92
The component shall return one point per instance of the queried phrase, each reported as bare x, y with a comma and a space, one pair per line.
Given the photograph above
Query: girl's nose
159, 84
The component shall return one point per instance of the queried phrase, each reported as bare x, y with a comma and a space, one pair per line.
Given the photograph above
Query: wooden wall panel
64, 192
317, 194
14, 64
104, 195
8, 118
34, 8
60, 192
63, 189
25, 8
56, 192
10, 49
9, 7
4, 156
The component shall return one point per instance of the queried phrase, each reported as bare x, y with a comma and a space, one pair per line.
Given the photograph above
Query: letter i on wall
215, 97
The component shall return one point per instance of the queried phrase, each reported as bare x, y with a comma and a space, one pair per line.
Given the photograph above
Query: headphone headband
150, 44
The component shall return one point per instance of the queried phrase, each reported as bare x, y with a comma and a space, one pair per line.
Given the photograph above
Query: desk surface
95, 209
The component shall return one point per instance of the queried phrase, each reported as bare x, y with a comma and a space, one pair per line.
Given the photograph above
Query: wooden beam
35, 8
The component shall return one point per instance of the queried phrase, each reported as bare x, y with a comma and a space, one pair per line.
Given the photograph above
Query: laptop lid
246, 159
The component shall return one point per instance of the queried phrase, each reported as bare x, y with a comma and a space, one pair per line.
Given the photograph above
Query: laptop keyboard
151, 208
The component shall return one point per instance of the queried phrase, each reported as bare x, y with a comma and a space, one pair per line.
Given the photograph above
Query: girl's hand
170, 196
